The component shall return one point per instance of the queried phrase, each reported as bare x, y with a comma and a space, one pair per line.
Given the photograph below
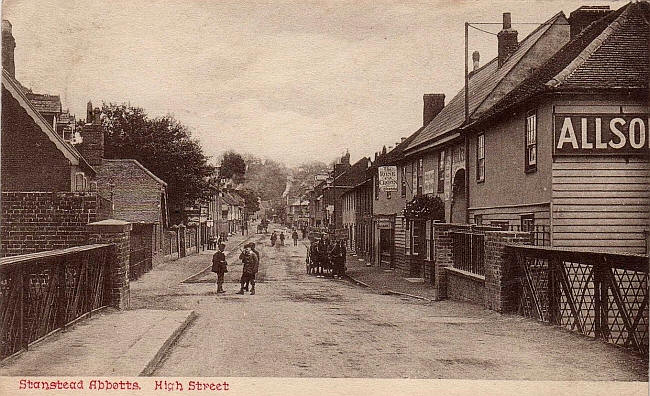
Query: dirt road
301, 326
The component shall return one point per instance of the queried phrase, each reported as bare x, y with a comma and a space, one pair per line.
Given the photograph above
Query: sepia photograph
279, 197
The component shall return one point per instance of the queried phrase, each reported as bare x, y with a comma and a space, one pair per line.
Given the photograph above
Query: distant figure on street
251, 265
274, 237
220, 266
294, 235
281, 238
338, 259
304, 232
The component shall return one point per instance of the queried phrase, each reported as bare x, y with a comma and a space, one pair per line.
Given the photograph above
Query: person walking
281, 238
274, 237
304, 232
251, 265
294, 235
220, 266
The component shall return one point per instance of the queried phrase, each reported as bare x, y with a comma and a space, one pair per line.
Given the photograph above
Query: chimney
476, 57
97, 116
507, 40
89, 112
403, 139
584, 16
8, 45
433, 103
92, 143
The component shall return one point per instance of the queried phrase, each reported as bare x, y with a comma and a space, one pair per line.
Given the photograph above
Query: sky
293, 81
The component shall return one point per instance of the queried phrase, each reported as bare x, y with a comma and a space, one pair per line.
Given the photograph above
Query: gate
468, 249
140, 250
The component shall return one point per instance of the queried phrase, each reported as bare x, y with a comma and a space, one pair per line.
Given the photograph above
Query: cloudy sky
288, 80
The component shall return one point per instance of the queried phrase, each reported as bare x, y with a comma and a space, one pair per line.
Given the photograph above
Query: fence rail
602, 295
45, 291
469, 251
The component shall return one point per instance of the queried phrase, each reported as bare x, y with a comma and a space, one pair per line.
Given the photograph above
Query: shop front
384, 240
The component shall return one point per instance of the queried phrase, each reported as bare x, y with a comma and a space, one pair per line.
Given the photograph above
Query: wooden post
598, 284
21, 277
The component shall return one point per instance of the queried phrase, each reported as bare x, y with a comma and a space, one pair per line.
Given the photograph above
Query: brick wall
500, 276
30, 161
39, 221
443, 245
465, 287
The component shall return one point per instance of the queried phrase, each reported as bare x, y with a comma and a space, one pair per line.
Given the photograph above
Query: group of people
327, 258
250, 258
274, 238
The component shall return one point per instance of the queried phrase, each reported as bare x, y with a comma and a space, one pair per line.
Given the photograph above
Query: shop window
480, 157
441, 172
419, 175
528, 222
531, 142
403, 168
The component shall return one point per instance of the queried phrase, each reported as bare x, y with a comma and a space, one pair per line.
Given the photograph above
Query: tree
266, 177
233, 167
252, 204
165, 147
303, 177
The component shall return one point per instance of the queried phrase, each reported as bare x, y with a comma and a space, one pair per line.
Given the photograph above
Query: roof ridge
589, 50
548, 26
156, 178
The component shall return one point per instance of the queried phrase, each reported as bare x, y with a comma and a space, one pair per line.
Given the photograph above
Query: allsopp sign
619, 134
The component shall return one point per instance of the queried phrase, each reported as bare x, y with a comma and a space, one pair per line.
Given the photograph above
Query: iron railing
45, 291
468, 249
597, 294
541, 233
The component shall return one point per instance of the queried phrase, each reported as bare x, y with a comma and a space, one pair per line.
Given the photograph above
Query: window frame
527, 222
530, 133
420, 171
480, 157
80, 184
441, 172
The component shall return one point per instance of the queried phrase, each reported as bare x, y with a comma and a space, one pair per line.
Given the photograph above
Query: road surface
301, 326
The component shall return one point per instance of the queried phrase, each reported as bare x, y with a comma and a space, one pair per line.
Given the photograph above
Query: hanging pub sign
387, 178
618, 134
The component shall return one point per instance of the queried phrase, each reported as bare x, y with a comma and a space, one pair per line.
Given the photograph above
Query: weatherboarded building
568, 148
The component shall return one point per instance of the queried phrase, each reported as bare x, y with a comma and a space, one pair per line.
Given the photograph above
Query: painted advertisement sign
429, 182
598, 134
387, 178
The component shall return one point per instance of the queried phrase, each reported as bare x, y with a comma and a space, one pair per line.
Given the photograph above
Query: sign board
599, 134
321, 177
387, 178
384, 224
429, 182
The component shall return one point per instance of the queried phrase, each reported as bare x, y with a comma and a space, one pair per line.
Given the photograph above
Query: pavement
386, 281
117, 343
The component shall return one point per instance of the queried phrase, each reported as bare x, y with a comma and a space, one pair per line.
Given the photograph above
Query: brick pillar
181, 241
148, 241
501, 283
116, 232
444, 257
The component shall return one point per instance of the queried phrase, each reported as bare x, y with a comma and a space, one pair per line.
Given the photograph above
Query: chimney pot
433, 104
403, 139
476, 57
507, 20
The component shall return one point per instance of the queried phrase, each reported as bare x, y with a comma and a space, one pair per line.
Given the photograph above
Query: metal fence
468, 249
541, 233
45, 291
602, 295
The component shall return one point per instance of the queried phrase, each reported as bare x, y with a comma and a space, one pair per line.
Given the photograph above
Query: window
413, 179
93, 186
377, 187
417, 237
429, 237
419, 177
79, 181
403, 168
480, 157
387, 194
531, 142
409, 236
528, 222
441, 172
478, 219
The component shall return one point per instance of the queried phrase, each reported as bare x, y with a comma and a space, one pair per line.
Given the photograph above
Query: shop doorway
386, 248
458, 202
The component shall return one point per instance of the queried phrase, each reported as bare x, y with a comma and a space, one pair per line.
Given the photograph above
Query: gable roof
68, 151
355, 175
397, 153
481, 85
136, 164
45, 103
597, 58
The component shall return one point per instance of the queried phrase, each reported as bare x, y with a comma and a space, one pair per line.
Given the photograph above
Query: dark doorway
458, 202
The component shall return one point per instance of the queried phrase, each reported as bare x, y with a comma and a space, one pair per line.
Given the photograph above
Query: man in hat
250, 259
220, 266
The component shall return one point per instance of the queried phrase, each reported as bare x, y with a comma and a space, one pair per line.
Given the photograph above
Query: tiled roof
45, 103
355, 175
481, 84
617, 58
395, 154
590, 60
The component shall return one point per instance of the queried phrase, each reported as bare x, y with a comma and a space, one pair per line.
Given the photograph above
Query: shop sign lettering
618, 134
387, 178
